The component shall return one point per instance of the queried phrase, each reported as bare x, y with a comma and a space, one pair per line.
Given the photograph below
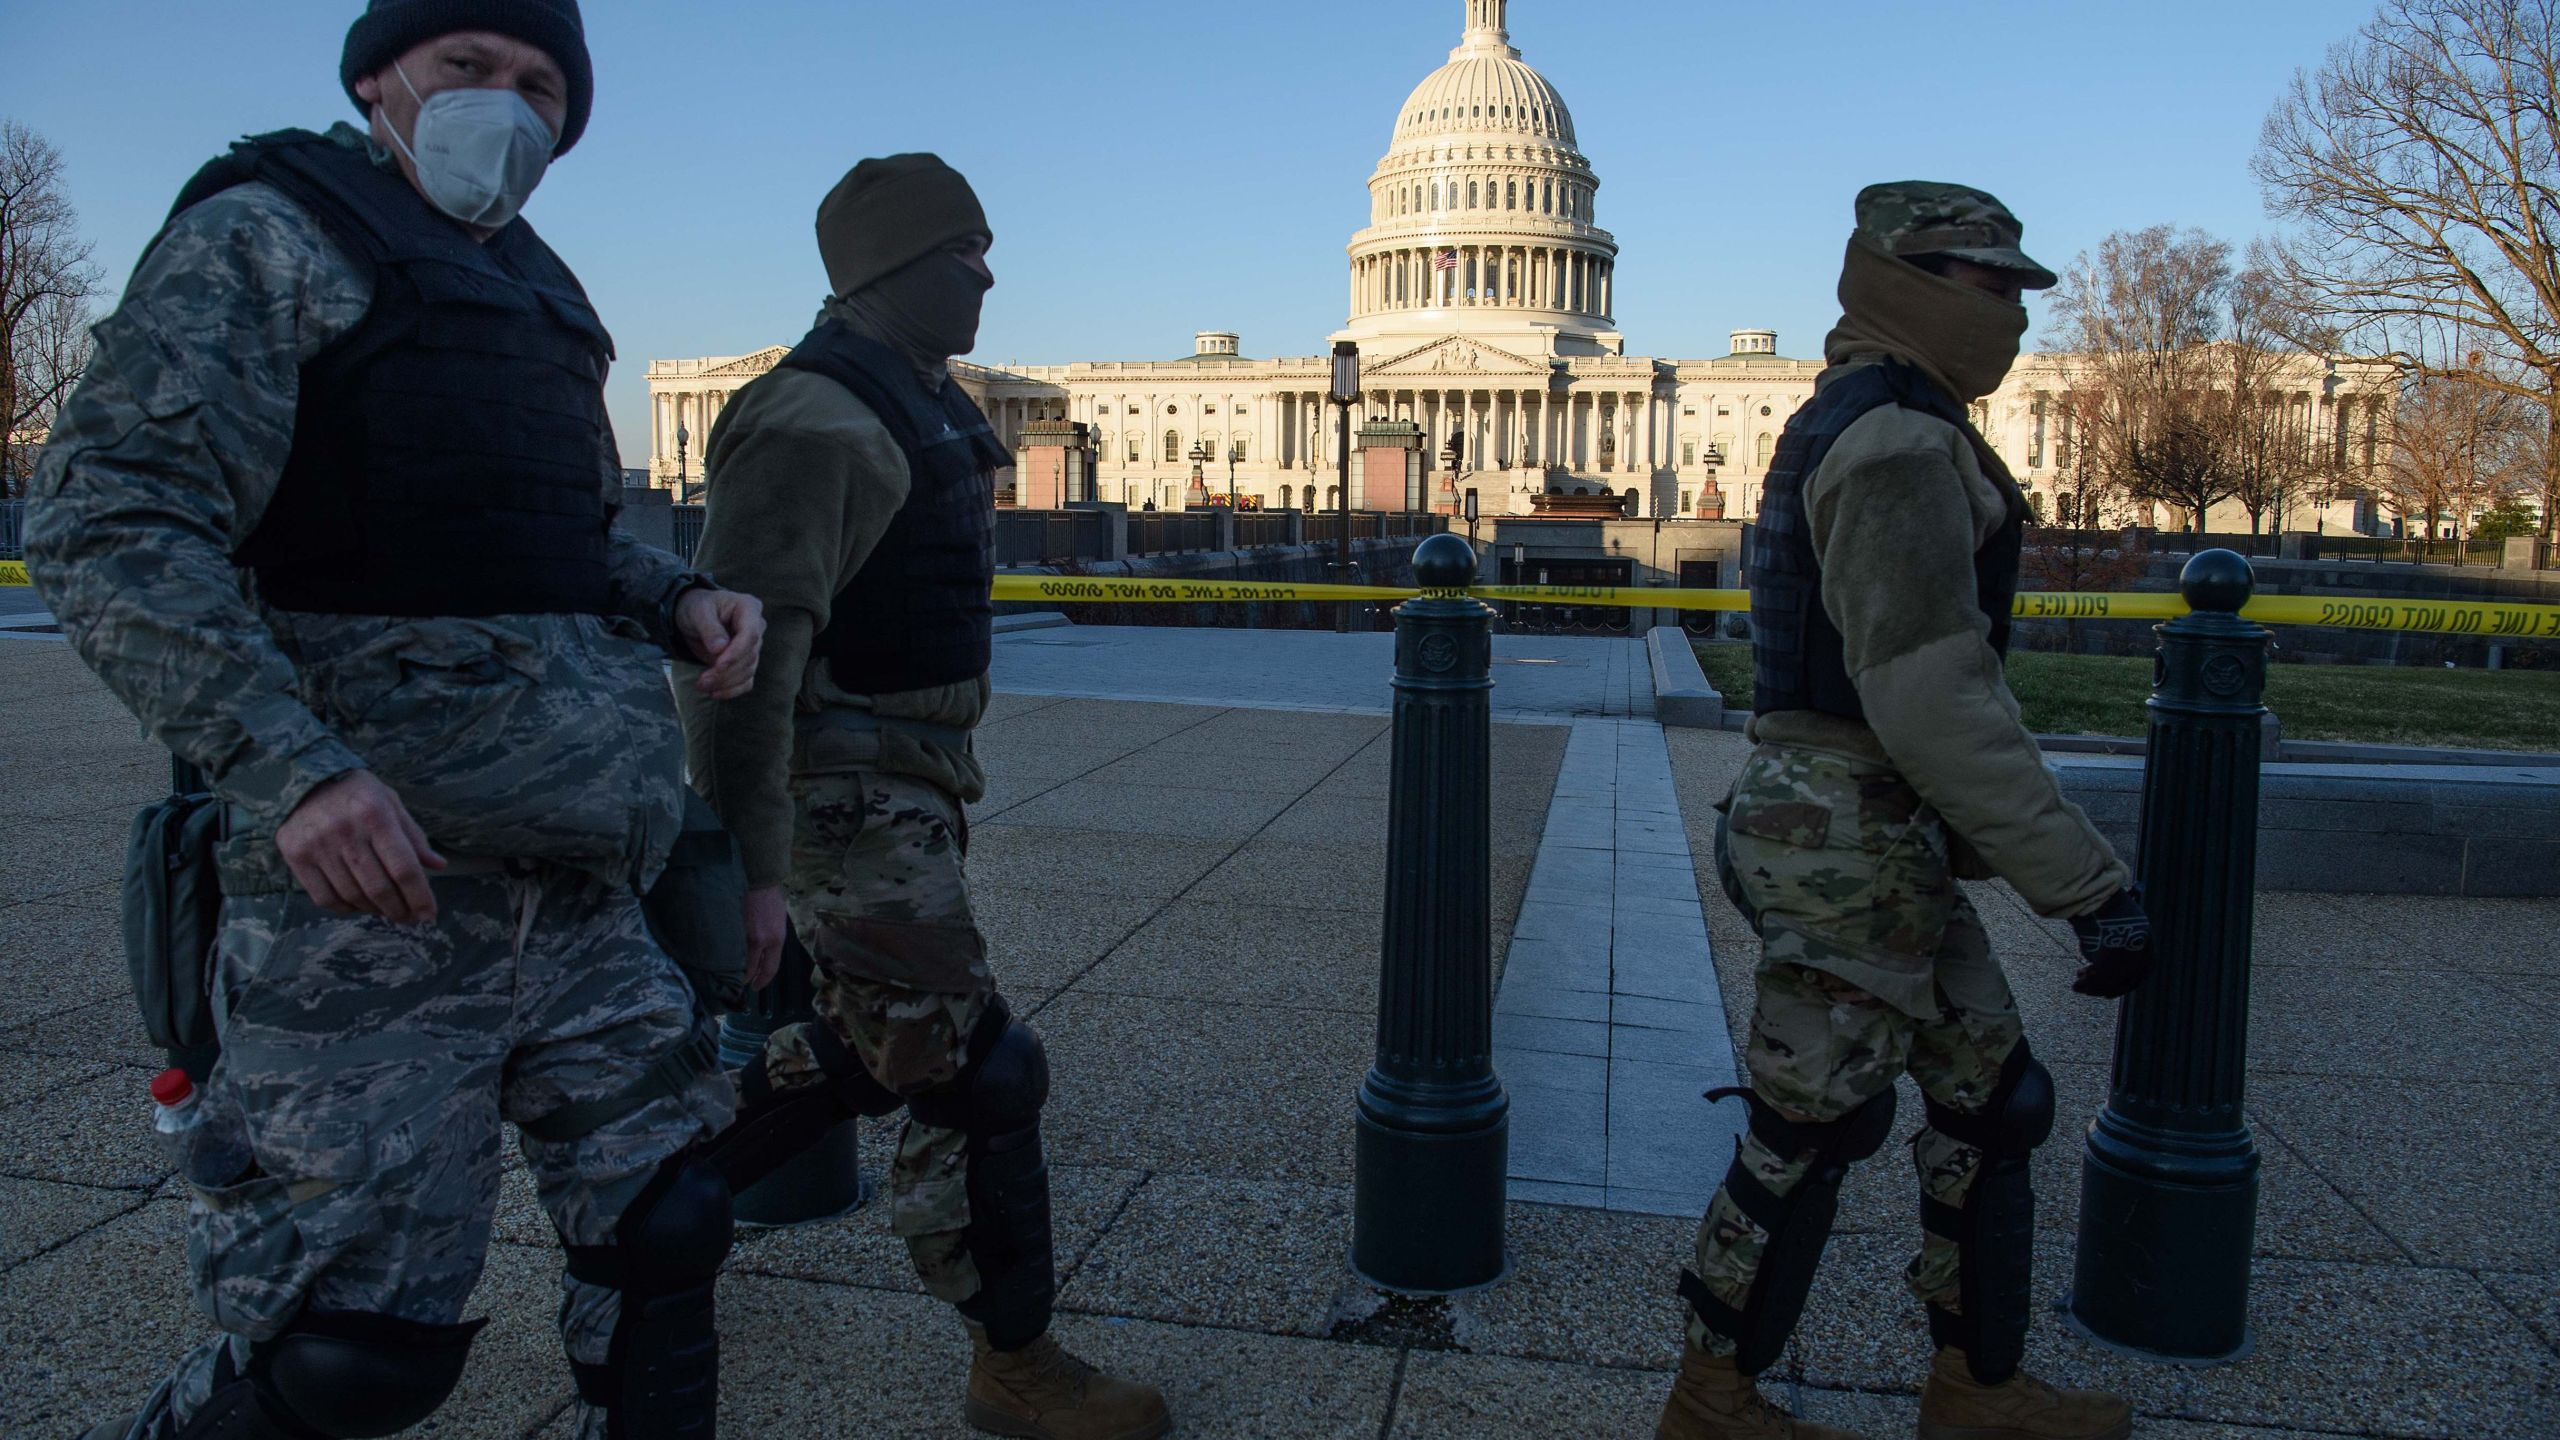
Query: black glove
2115, 946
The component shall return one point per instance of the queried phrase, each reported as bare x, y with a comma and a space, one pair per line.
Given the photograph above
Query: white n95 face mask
479, 153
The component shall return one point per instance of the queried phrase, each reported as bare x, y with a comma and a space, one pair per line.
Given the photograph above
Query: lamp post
681, 497
1231, 477
1469, 501
1345, 394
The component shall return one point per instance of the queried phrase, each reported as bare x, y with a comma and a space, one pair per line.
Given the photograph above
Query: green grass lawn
2103, 695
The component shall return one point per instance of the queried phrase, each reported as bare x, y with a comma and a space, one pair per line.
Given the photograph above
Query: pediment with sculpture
747, 366
1457, 355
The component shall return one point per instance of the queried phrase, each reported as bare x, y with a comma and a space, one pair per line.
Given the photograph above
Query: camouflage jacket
516, 736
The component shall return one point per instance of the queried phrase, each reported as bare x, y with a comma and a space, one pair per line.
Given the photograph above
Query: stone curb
2468, 830
1682, 697
1031, 620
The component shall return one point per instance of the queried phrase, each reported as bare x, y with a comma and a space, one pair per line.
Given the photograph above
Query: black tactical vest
449, 451
917, 614
1796, 659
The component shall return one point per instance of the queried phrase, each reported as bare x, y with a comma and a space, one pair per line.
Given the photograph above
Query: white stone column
1652, 431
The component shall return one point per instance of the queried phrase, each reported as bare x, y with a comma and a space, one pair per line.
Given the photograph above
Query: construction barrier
13, 572
2488, 618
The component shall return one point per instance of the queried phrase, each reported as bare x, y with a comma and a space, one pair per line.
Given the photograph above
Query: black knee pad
2014, 1119
775, 1126
996, 1103
340, 1374
1001, 1087
1797, 1223
1994, 1231
661, 1377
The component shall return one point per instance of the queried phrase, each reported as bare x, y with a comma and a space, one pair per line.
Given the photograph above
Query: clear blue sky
1154, 168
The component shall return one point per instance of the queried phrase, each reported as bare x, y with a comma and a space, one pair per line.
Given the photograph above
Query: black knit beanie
887, 212
388, 29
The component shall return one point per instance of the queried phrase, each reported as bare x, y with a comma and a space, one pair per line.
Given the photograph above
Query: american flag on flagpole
1445, 260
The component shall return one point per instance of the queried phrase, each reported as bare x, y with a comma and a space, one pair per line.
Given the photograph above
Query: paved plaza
1181, 876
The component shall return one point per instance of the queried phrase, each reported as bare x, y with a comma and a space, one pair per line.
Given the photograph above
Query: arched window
1511, 195
1435, 194
1236, 453
1133, 450
1287, 496
1768, 446
1172, 445
1550, 206
1332, 497
1471, 194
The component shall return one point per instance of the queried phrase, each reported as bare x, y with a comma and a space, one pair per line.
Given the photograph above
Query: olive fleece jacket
1897, 510
806, 482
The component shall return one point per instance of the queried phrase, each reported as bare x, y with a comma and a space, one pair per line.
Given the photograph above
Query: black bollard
1434, 1149
825, 1180
2169, 1178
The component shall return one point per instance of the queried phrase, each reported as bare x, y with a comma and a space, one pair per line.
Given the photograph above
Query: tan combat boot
1713, 1400
1040, 1392
1955, 1406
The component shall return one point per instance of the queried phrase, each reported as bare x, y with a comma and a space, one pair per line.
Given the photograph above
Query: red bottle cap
171, 1088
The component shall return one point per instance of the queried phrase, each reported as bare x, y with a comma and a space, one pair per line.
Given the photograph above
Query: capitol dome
1481, 212
1485, 87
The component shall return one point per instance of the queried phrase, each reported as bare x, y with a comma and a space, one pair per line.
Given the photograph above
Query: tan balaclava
1963, 338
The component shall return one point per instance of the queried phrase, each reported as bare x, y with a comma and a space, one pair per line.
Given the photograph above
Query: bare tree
2419, 167
2135, 323
2267, 424
46, 283
2456, 451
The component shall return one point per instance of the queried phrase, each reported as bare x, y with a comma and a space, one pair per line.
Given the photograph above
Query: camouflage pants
1872, 963
372, 1066
879, 899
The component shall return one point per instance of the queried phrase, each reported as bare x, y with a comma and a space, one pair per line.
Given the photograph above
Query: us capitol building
1482, 298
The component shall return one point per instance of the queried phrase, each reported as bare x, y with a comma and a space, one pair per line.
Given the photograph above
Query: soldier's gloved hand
725, 631
2115, 946
355, 850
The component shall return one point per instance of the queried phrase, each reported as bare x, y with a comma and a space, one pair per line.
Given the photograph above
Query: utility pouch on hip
172, 914
697, 910
1725, 875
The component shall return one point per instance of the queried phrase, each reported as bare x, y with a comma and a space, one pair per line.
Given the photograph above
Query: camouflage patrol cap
1913, 218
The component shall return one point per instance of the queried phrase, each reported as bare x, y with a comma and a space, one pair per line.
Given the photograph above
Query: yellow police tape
2454, 617
2488, 618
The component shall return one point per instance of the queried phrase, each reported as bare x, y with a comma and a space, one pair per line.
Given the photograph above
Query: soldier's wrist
663, 624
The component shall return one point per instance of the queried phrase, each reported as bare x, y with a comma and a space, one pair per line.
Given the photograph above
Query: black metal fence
1259, 528
13, 544
1066, 537
1049, 537
1169, 533
1326, 528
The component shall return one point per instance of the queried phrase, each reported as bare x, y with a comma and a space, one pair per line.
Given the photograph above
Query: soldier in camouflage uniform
1891, 764
854, 495
330, 513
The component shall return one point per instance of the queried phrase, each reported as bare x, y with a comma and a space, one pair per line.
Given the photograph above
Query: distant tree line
46, 285
2419, 170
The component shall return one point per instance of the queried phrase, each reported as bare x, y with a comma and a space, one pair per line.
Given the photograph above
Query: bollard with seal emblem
2169, 1175
1433, 1155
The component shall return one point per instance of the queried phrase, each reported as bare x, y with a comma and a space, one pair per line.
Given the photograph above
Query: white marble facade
1481, 296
